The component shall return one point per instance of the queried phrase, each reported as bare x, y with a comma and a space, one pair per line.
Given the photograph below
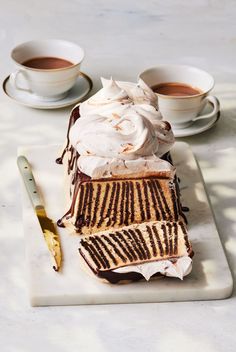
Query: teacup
47, 69
183, 92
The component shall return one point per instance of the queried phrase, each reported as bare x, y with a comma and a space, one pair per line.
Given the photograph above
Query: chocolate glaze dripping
73, 117
185, 209
80, 177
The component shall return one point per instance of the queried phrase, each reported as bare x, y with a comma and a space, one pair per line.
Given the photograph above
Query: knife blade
49, 230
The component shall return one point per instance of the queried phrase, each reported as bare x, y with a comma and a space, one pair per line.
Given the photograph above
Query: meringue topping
120, 122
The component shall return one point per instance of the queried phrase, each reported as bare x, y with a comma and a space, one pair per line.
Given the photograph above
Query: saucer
81, 88
198, 126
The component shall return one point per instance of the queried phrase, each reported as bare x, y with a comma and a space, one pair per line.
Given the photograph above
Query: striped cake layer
135, 244
104, 204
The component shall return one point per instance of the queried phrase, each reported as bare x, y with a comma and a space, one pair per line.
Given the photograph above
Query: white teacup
46, 84
182, 110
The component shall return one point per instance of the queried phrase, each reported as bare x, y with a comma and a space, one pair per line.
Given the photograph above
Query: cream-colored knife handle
30, 184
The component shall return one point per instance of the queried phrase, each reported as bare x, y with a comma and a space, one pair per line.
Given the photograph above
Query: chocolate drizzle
185, 209
79, 215
73, 117
85, 203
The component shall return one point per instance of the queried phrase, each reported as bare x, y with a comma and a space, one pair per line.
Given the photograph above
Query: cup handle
14, 77
216, 107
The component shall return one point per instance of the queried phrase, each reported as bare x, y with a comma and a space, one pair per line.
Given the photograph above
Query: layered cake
121, 188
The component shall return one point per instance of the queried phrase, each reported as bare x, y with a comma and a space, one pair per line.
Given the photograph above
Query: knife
49, 231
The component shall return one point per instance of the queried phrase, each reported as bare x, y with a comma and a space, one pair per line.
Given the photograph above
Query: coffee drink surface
176, 89
47, 63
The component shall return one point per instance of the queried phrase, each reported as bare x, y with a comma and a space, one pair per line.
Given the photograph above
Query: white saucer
198, 126
81, 88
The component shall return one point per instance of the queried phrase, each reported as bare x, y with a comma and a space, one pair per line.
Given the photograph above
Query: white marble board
210, 277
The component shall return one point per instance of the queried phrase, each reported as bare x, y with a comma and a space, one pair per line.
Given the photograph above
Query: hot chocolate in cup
183, 92
46, 69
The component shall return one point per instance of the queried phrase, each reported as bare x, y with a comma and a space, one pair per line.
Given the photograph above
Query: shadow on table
219, 174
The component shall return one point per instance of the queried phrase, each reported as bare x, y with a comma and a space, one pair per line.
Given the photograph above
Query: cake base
209, 279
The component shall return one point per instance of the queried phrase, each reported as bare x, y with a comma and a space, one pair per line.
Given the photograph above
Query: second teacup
47, 69
183, 92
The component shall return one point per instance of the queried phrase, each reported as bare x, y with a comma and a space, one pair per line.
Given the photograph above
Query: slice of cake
156, 247
119, 178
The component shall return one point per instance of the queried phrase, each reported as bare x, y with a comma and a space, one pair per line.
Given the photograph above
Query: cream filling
179, 269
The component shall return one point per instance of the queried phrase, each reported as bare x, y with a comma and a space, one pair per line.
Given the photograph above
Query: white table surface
121, 38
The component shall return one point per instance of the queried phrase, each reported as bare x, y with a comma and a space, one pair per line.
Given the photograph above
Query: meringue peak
121, 122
